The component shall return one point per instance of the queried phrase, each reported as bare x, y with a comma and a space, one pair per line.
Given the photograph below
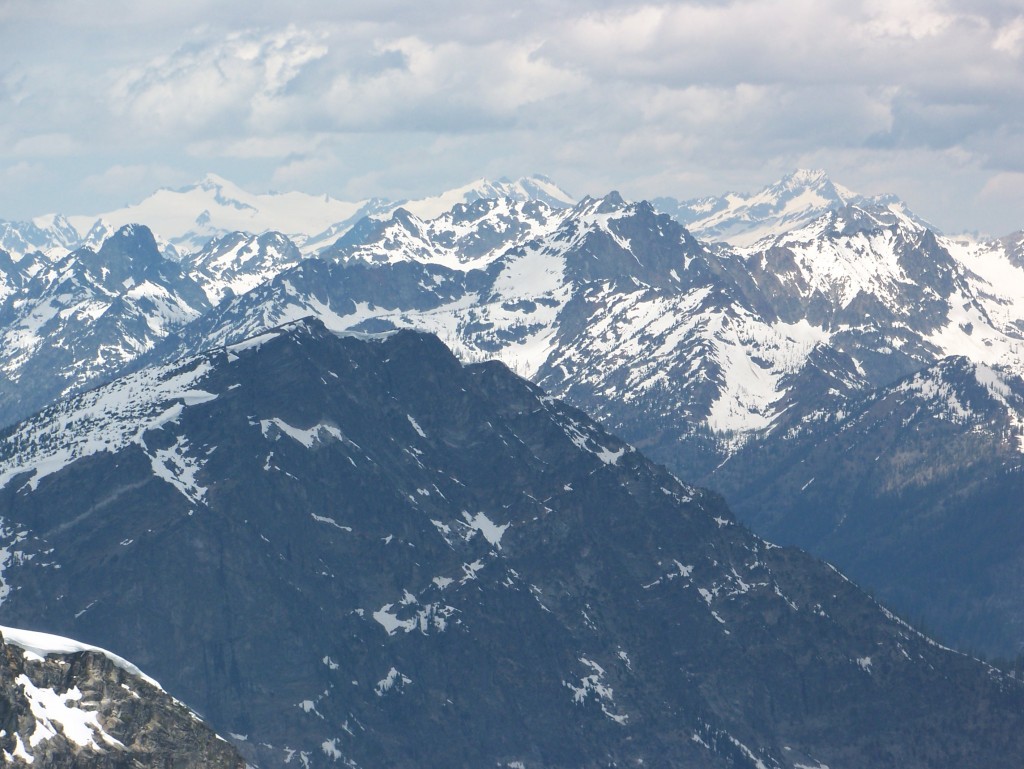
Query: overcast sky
103, 101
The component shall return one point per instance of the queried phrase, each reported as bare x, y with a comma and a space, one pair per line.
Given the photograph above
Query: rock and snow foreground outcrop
67, 705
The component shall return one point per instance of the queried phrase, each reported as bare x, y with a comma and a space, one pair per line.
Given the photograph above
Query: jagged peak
406, 217
861, 216
608, 203
137, 238
804, 181
818, 178
611, 202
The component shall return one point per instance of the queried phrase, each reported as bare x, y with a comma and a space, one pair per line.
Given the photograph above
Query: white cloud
17, 175
1010, 38
46, 145
125, 182
446, 87
402, 99
229, 85
274, 146
914, 19
1006, 191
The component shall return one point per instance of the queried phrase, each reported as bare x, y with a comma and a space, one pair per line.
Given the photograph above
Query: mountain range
849, 379
699, 353
188, 218
354, 549
793, 202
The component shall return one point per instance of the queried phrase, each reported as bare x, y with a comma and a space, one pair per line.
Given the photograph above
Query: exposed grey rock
82, 710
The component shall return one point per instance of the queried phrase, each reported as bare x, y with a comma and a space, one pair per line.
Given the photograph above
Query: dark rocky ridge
375, 554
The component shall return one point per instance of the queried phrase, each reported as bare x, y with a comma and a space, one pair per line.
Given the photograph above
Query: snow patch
313, 436
593, 685
416, 426
392, 681
490, 531
330, 521
174, 466
54, 714
103, 420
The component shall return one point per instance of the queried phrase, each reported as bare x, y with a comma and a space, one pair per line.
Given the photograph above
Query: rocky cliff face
88, 710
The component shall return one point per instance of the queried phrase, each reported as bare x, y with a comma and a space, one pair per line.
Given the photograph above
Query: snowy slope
54, 236
191, 216
448, 277
911, 489
45, 644
468, 236
621, 310
238, 262
521, 190
609, 305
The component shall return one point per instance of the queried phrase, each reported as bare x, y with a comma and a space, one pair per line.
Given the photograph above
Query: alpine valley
240, 453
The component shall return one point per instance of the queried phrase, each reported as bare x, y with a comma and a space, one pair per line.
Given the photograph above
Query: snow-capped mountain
68, 324
238, 262
790, 203
53, 236
68, 705
487, 302
186, 220
689, 351
521, 190
190, 217
330, 545
469, 236
620, 310
714, 342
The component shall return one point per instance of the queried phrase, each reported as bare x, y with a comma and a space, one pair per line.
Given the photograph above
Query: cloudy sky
103, 101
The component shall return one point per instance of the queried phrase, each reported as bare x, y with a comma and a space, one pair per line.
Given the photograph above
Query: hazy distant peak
792, 202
